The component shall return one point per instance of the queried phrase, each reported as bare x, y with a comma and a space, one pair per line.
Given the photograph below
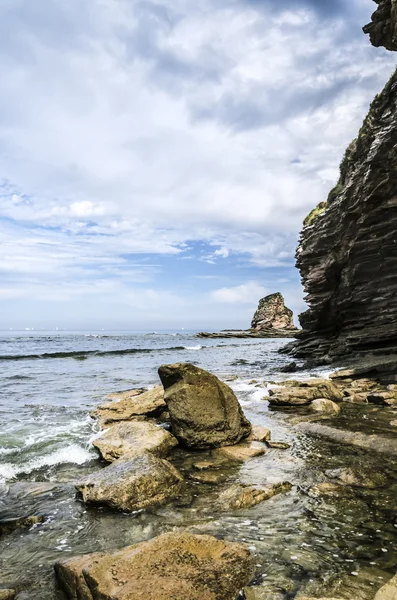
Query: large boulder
181, 566
132, 484
131, 405
272, 314
204, 411
130, 438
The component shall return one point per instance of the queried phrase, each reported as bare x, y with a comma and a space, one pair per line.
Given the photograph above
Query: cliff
347, 253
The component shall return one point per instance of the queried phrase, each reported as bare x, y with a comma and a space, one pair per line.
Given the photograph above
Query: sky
157, 158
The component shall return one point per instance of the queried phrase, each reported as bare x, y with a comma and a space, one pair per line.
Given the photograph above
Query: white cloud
246, 293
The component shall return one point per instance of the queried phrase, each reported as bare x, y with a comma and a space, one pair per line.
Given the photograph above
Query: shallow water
301, 542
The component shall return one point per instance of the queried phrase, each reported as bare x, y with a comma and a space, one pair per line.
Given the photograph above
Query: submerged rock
272, 314
245, 496
278, 445
129, 438
181, 566
259, 434
357, 478
204, 411
10, 525
130, 406
242, 452
132, 484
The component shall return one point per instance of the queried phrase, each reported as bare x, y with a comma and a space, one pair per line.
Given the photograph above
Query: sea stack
272, 314
347, 254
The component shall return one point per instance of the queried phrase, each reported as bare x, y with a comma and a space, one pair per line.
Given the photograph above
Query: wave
71, 454
83, 354
193, 347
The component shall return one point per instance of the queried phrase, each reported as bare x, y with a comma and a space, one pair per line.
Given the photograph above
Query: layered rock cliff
347, 254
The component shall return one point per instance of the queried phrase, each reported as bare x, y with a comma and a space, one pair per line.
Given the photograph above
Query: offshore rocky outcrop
272, 314
347, 254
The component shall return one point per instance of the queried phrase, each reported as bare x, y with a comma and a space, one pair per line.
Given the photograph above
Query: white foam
192, 347
70, 454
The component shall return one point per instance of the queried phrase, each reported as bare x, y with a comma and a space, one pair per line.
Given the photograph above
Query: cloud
130, 130
241, 294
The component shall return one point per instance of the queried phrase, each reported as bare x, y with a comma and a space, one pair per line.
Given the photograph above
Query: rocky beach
207, 465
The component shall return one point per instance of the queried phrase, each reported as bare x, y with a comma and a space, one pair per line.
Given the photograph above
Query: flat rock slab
132, 484
130, 406
377, 443
204, 411
242, 452
246, 496
130, 438
177, 566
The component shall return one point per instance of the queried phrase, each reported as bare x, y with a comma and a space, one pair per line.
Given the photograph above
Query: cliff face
347, 254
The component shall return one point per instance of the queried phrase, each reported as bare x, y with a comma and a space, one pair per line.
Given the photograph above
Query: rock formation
204, 411
272, 314
180, 566
348, 258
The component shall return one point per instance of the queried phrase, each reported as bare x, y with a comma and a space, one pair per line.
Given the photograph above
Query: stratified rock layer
348, 256
272, 314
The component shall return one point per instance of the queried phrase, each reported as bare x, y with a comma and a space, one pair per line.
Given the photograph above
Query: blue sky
157, 158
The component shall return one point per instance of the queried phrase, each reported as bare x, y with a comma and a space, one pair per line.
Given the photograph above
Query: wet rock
290, 368
329, 489
377, 443
357, 478
245, 496
259, 434
204, 411
382, 398
10, 525
131, 406
210, 477
300, 393
388, 591
272, 314
393, 423
7, 594
242, 452
132, 484
129, 438
322, 405
180, 566
278, 445
202, 465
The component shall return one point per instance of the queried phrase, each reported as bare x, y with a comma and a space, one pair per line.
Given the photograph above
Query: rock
383, 28
10, 525
7, 594
258, 592
204, 411
329, 489
259, 434
129, 438
357, 478
202, 465
376, 443
347, 256
388, 591
131, 406
290, 368
272, 314
278, 445
242, 452
393, 423
249, 333
245, 496
300, 393
132, 484
181, 566
210, 477
323, 405
382, 398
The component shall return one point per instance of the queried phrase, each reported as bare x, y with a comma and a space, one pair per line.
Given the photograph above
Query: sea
51, 381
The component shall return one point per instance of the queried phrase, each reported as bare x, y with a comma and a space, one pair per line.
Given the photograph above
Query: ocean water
49, 383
